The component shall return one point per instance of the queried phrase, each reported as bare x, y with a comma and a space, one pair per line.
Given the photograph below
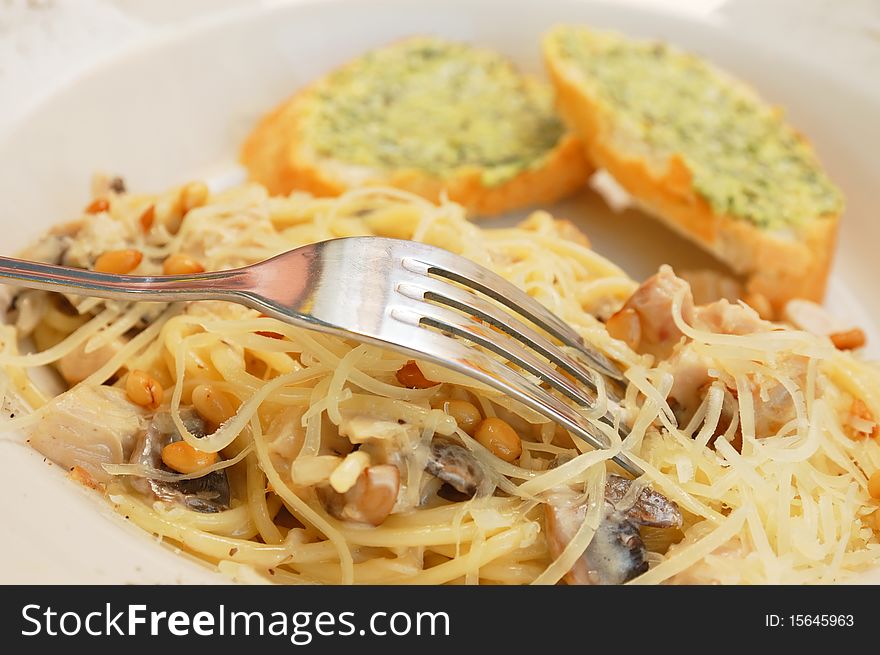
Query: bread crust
780, 267
277, 155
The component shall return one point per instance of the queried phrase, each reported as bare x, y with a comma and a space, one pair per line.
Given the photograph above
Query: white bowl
177, 106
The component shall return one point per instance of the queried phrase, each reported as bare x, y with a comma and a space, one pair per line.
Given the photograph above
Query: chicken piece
690, 374
648, 314
772, 402
859, 420
286, 435
27, 308
724, 317
708, 286
361, 428
382, 439
52, 247
369, 501
690, 370
646, 323
650, 306
88, 427
97, 234
77, 365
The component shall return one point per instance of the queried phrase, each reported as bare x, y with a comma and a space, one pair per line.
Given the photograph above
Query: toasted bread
703, 153
427, 116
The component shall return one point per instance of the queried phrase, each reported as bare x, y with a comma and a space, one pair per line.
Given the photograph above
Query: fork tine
452, 353
472, 304
512, 349
465, 272
501, 344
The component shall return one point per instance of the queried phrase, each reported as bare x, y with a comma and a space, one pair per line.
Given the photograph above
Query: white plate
176, 108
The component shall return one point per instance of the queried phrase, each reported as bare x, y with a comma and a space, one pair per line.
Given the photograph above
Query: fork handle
215, 285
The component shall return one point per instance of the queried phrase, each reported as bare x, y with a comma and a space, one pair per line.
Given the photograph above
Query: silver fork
418, 299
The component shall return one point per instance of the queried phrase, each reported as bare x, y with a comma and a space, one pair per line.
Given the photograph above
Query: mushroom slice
455, 465
650, 508
616, 553
370, 500
208, 493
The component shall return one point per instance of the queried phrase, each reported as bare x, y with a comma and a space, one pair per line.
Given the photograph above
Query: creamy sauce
746, 162
436, 106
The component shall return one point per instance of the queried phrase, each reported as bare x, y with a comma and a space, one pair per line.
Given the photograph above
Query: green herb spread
745, 160
436, 106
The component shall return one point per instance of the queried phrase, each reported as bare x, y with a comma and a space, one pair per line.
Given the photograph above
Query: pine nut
180, 264
144, 390
183, 458
500, 438
98, 205
212, 405
118, 262
411, 376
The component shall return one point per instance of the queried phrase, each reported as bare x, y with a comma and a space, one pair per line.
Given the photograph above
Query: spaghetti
328, 461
